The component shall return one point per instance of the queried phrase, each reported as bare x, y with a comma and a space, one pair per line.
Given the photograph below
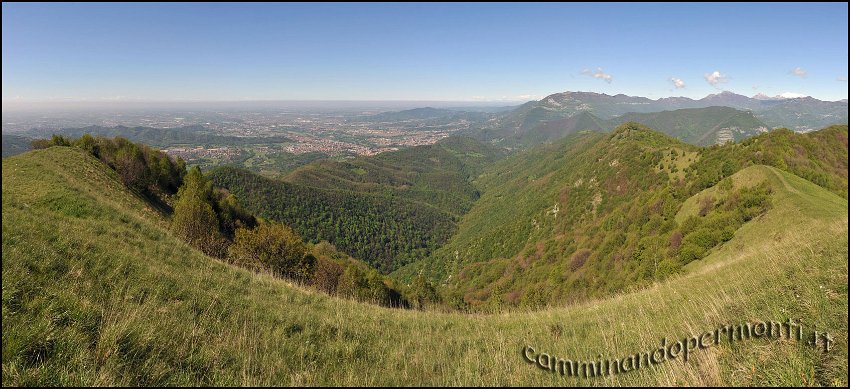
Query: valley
125, 302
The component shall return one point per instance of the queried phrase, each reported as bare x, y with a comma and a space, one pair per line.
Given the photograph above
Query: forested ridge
597, 214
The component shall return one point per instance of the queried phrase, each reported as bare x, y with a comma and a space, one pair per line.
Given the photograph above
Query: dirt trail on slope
788, 186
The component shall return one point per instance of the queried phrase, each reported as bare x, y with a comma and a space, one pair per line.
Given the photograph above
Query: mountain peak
724, 94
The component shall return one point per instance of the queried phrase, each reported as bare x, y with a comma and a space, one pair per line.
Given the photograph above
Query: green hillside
96, 291
439, 175
804, 113
558, 129
699, 126
594, 214
388, 210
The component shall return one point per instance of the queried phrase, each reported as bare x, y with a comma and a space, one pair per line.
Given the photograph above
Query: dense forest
384, 231
388, 210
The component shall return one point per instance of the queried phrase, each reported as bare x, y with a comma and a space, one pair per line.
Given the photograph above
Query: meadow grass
96, 291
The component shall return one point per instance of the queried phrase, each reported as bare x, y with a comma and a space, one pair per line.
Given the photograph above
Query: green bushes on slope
140, 167
272, 247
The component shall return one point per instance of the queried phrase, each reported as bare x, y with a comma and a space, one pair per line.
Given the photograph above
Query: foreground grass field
97, 292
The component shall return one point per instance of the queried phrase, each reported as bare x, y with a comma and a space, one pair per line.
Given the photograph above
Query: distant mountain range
563, 113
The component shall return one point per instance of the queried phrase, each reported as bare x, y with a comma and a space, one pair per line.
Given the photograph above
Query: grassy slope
96, 291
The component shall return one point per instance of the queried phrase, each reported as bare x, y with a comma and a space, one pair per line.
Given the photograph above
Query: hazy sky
419, 51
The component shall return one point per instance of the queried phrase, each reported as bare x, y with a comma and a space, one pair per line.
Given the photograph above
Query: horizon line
480, 101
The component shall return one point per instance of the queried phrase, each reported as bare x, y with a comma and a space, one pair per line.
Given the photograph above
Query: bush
422, 293
378, 291
690, 252
706, 204
666, 268
675, 241
273, 247
367, 286
326, 275
353, 283
578, 259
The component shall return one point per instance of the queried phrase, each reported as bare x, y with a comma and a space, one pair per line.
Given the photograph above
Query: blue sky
470, 52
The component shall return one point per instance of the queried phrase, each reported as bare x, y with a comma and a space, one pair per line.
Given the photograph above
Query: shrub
675, 241
326, 275
422, 293
706, 203
273, 247
690, 252
353, 283
578, 259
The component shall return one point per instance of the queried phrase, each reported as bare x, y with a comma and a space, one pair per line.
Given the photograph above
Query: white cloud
842, 79
799, 72
716, 78
791, 95
600, 74
677, 82
755, 87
